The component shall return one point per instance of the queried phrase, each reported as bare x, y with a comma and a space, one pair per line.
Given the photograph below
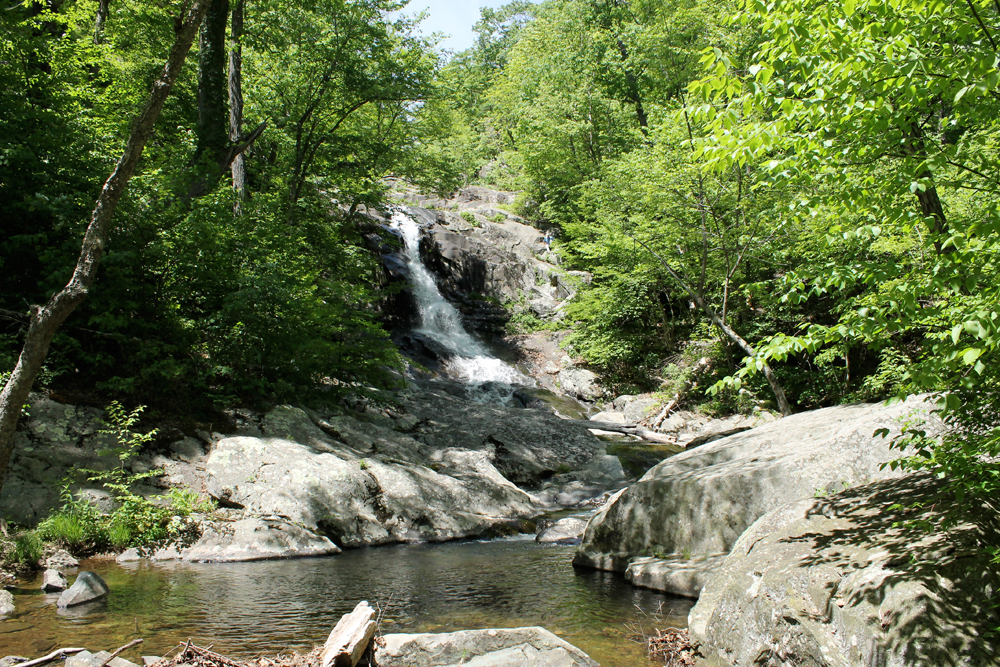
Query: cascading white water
471, 362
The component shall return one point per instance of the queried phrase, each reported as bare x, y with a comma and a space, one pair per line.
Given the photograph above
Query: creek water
247, 609
489, 379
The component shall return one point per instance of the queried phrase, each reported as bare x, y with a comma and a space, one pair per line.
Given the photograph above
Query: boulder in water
53, 580
697, 503
6, 603
567, 530
501, 647
87, 587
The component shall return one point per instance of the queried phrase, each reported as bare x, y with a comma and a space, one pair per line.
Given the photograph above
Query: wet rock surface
851, 580
54, 580
87, 588
568, 530
506, 647
6, 603
699, 502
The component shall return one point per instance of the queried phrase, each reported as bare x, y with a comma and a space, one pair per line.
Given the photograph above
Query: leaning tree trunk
696, 296
46, 319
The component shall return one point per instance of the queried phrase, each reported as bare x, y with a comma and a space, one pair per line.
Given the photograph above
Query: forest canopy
801, 194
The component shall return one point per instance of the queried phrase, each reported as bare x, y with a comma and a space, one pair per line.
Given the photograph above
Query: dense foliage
802, 188
206, 292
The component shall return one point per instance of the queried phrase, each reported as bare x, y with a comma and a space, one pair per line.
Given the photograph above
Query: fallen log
627, 429
350, 637
120, 650
61, 653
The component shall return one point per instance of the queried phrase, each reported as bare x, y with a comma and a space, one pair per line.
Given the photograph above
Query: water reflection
252, 608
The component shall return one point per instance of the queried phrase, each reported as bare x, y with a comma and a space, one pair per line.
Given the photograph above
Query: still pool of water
248, 609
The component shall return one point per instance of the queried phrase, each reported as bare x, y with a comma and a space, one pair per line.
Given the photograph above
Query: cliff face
485, 258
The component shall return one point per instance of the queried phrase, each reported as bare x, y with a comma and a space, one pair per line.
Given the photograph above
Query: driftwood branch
55, 655
120, 650
350, 637
627, 429
703, 364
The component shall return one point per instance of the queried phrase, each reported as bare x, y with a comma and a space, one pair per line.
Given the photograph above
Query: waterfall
471, 362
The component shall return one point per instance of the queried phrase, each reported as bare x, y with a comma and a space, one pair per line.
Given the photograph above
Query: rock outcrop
699, 502
853, 579
506, 647
443, 468
428, 464
483, 255
250, 539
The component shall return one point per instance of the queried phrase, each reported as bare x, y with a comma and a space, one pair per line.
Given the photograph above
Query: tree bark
45, 320
772, 380
238, 167
929, 201
212, 131
103, 7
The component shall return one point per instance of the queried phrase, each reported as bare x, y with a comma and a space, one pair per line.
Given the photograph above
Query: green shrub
28, 549
135, 521
470, 218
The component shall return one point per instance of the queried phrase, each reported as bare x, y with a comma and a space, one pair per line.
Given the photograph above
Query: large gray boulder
87, 588
699, 502
855, 580
508, 647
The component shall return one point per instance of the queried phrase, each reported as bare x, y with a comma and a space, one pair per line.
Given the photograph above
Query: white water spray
471, 362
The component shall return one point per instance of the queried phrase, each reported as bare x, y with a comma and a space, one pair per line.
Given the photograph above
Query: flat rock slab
87, 587
699, 502
677, 575
854, 580
509, 647
251, 539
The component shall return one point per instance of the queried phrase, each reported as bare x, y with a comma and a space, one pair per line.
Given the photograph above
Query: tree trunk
212, 131
103, 7
633, 91
929, 201
236, 101
45, 320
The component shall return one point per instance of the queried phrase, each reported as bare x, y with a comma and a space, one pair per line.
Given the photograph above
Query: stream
264, 607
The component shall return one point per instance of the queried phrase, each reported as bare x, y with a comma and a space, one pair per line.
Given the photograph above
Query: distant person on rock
548, 239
